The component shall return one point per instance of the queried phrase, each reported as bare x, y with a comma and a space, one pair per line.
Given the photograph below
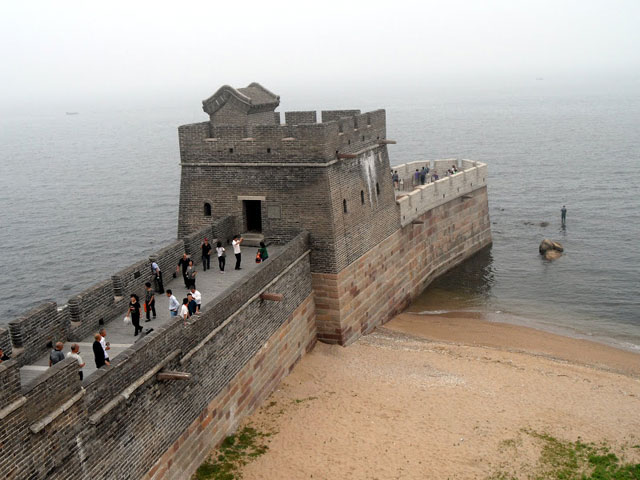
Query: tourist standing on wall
197, 296
134, 312
237, 240
98, 351
174, 305
184, 310
206, 254
75, 353
56, 354
149, 302
191, 275
396, 179
157, 278
105, 345
191, 304
423, 176
222, 256
184, 263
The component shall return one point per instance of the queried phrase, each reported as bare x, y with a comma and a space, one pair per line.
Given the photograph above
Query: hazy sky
58, 51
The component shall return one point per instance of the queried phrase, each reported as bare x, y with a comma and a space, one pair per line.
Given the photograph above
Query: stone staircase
252, 239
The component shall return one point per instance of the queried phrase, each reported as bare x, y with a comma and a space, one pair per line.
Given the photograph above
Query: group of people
421, 176
100, 352
191, 304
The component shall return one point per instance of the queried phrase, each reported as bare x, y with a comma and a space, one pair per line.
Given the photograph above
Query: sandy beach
443, 397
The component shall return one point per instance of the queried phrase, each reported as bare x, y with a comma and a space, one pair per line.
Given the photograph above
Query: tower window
368, 119
344, 205
207, 209
363, 138
377, 189
362, 196
268, 150
231, 150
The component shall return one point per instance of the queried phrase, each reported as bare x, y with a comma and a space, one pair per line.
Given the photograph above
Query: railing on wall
419, 199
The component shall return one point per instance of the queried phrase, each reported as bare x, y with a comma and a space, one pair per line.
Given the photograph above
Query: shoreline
473, 329
445, 396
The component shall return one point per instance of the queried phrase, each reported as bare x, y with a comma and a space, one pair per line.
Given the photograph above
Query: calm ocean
84, 195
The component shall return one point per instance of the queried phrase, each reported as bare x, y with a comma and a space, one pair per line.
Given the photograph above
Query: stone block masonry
246, 391
125, 419
369, 251
382, 282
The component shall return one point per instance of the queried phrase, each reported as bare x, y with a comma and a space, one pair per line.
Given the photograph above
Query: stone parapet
382, 282
426, 197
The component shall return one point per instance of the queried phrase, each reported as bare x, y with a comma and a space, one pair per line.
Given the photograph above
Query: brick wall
38, 326
90, 307
294, 118
5, 341
382, 282
38, 428
125, 419
240, 396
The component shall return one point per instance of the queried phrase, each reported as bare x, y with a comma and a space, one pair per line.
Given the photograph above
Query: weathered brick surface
35, 444
38, 326
90, 307
9, 382
382, 282
5, 341
60, 431
240, 396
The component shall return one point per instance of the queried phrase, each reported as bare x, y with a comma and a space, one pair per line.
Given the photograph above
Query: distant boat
72, 113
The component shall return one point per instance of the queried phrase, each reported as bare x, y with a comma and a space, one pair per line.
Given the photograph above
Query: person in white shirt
75, 353
184, 310
174, 305
105, 345
237, 240
222, 257
197, 296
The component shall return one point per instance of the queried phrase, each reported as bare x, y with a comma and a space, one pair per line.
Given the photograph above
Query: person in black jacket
98, 351
134, 311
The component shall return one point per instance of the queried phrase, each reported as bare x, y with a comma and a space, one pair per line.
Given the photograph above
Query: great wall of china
350, 253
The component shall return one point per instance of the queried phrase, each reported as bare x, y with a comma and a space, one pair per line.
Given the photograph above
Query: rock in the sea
552, 254
550, 249
545, 245
544, 224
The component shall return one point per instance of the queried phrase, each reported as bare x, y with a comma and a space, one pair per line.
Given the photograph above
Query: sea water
85, 195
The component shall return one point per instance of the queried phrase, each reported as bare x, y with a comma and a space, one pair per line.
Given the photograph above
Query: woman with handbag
134, 313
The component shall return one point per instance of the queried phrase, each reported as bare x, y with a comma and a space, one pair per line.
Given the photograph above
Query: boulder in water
544, 224
550, 249
545, 245
552, 254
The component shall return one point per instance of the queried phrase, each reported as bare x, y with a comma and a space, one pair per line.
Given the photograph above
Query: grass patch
564, 460
300, 400
234, 452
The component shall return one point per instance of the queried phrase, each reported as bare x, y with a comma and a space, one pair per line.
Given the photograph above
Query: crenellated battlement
300, 140
472, 176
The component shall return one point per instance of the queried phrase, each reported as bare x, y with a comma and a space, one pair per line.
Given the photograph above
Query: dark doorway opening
253, 215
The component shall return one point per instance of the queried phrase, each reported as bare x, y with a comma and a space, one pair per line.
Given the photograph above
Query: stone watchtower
330, 178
